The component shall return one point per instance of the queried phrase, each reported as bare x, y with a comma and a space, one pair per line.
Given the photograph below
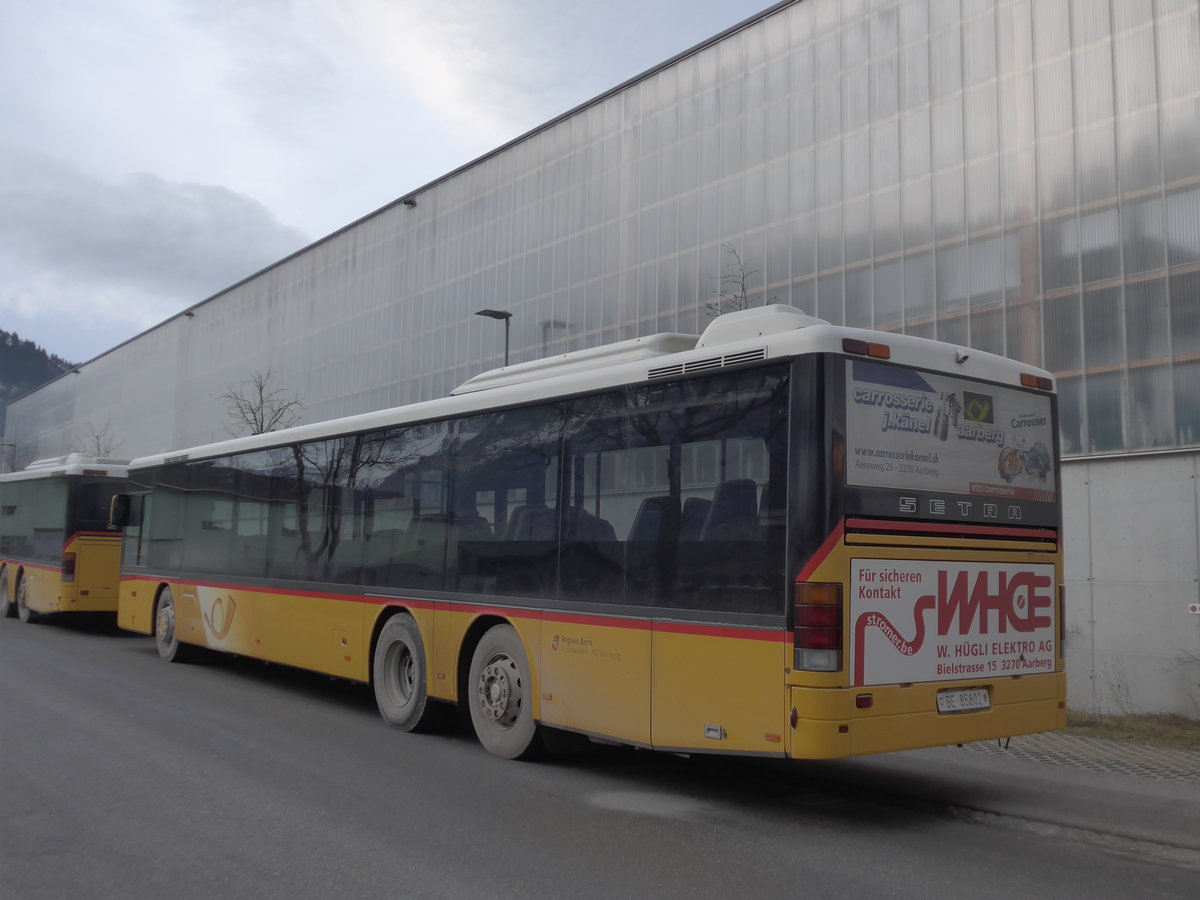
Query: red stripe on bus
386, 601
109, 536
724, 631
673, 627
735, 631
823, 551
879, 525
251, 589
32, 565
603, 621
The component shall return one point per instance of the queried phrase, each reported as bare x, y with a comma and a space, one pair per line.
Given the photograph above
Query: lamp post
499, 314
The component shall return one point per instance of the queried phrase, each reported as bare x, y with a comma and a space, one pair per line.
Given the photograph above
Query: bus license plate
964, 700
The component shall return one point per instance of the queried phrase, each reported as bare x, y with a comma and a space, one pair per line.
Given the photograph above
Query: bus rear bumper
829, 724
97, 602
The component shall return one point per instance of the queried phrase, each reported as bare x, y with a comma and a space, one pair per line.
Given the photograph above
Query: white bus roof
762, 333
71, 464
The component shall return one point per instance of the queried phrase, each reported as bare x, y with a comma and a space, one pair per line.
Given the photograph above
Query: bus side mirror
118, 511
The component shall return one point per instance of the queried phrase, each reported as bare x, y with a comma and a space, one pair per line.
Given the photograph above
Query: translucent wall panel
1187, 403
1185, 313
1016, 175
1147, 325
1151, 412
1105, 412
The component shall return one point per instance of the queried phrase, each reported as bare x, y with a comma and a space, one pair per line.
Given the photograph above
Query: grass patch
1174, 732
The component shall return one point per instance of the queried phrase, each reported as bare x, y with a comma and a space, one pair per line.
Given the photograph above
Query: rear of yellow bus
85, 579
927, 608
90, 572
73, 561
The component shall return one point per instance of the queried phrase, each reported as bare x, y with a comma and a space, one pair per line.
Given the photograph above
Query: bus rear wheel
165, 636
8, 609
24, 613
500, 695
399, 675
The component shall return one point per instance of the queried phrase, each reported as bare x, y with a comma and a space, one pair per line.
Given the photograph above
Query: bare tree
255, 407
733, 293
98, 442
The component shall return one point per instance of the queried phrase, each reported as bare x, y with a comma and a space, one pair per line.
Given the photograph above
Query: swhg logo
998, 602
988, 617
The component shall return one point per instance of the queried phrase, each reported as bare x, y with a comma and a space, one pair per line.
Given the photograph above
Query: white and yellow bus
57, 552
782, 538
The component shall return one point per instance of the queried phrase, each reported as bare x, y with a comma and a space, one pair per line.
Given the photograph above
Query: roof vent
751, 323
580, 361
709, 362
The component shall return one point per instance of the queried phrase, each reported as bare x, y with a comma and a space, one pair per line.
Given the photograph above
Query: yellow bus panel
903, 717
717, 690
595, 676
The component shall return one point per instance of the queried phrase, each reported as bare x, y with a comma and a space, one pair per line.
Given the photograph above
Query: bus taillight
1062, 617
818, 632
866, 348
68, 567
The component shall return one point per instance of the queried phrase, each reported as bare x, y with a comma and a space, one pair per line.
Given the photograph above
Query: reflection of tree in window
703, 460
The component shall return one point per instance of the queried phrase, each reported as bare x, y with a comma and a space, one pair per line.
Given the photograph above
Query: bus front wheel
500, 694
165, 635
24, 613
399, 675
8, 609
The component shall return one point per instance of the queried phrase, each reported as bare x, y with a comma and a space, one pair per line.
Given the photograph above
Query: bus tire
24, 613
8, 609
165, 636
500, 695
399, 675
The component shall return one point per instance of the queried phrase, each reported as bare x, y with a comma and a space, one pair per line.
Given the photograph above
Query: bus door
720, 652
595, 645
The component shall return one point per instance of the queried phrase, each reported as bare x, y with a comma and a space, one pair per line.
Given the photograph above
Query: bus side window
733, 512
133, 550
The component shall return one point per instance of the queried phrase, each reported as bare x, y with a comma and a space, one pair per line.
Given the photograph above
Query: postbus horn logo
220, 619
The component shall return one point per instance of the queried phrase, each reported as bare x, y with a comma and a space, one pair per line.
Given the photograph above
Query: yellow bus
57, 552
782, 538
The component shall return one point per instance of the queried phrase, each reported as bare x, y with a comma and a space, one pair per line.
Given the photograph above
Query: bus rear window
94, 500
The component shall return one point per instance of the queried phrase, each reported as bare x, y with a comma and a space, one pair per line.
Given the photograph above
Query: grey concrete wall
1132, 550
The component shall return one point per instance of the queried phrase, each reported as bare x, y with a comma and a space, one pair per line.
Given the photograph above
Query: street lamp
499, 314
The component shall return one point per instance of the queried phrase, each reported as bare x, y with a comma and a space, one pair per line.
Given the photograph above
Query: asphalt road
122, 776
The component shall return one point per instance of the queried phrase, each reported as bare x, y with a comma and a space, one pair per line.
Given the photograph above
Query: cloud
490, 70
252, 114
452, 59
127, 252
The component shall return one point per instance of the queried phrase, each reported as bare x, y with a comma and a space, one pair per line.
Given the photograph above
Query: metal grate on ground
1100, 754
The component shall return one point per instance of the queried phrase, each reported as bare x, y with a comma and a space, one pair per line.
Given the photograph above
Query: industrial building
1016, 176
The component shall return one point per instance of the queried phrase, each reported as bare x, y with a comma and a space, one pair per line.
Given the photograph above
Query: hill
24, 366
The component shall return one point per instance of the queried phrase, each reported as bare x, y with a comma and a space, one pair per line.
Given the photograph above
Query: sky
154, 152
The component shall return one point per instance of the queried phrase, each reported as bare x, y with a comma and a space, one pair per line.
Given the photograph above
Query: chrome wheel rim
500, 691
165, 623
401, 669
